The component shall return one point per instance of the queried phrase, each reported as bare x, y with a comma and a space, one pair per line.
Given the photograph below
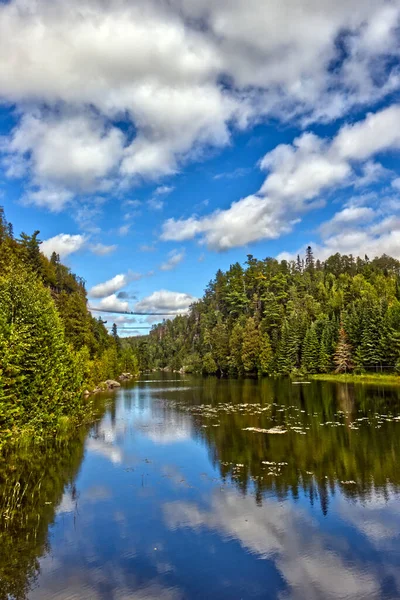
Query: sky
153, 142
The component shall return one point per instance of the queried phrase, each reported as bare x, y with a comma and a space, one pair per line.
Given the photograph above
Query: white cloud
102, 249
350, 215
163, 190
118, 282
165, 301
396, 183
63, 244
298, 176
132, 203
52, 198
357, 230
174, 259
155, 204
376, 133
124, 229
151, 63
74, 150
113, 303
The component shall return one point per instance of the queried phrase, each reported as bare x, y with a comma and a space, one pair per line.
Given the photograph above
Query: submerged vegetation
279, 318
51, 348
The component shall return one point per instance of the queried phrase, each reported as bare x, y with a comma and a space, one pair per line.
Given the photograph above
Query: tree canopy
273, 317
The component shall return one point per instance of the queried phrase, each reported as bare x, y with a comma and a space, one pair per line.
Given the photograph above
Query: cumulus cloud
102, 249
72, 150
163, 190
111, 286
165, 301
349, 216
298, 176
180, 87
50, 197
63, 244
155, 204
359, 229
174, 259
124, 230
112, 303
147, 248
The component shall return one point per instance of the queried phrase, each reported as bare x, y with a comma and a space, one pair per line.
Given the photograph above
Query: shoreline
370, 378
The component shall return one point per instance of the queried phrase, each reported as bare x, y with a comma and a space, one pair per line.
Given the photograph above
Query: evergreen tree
266, 357
343, 355
209, 365
221, 347
30, 245
250, 346
36, 362
311, 351
310, 263
115, 336
286, 357
235, 346
327, 346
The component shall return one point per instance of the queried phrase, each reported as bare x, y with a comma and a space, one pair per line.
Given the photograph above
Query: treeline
51, 347
271, 317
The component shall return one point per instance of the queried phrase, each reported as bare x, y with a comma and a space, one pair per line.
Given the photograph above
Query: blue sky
154, 142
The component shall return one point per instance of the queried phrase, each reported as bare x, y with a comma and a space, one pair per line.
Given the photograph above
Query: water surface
203, 488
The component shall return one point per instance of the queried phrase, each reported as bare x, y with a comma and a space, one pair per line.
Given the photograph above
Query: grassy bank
370, 378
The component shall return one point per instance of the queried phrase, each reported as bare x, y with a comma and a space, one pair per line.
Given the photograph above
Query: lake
187, 487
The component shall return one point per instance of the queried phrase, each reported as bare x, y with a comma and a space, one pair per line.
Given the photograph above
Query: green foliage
39, 373
51, 348
209, 365
284, 317
311, 351
266, 356
343, 358
250, 346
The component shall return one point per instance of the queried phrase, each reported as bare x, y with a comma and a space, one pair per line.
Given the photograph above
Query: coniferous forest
266, 318
51, 348
279, 318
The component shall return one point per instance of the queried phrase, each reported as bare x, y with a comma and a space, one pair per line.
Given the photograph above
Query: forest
279, 318
51, 347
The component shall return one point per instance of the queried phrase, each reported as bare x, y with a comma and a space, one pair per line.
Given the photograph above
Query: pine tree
311, 351
287, 352
266, 357
30, 245
209, 365
369, 353
310, 262
36, 361
235, 347
327, 346
343, 354
250, 346
115, 336
220, 347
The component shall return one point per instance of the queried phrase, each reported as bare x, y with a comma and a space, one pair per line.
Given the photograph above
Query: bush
41, 379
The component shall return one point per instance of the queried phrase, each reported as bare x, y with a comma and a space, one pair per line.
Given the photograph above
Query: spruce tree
286, 356
235, 347
250, 346
327, 346
343, 355
311, 351
266, 357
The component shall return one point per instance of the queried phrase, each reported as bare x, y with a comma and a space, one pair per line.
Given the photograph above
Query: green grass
374, 378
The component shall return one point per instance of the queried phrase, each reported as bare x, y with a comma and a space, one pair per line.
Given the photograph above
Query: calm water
174, 494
